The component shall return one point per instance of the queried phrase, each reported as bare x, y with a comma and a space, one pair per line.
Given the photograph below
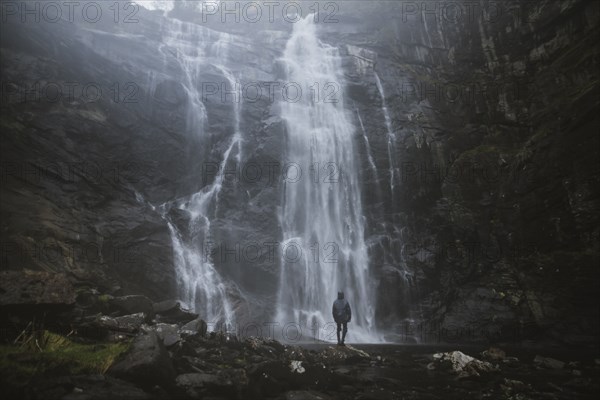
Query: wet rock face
35, 288
94, 170
147, 363
481, 233
490, 229
82, 170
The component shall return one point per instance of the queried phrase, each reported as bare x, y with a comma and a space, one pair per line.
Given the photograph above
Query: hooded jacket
341, 309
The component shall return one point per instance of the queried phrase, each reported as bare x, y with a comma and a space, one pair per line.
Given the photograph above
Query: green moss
48, 354
85, 358
239, 362
104, 298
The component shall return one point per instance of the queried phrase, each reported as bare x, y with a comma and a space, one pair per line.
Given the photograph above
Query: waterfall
323, 248
409, 286
390, 134
201, 287
180, 39
368, 147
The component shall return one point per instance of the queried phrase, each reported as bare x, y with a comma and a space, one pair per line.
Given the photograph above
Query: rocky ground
76, 343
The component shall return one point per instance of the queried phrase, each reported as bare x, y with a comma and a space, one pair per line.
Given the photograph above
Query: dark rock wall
495, 211
71, 163
492, 228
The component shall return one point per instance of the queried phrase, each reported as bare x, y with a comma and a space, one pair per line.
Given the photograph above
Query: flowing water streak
368, 146
322, 218
390, 132
407, 276
200, 285
183, 41
237, 133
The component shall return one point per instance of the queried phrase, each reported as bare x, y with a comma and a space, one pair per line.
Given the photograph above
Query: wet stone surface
218, 366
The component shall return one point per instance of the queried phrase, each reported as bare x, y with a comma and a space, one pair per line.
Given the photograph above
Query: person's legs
339, 328
345, 324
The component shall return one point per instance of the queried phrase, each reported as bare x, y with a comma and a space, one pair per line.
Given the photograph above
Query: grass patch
48, 354
104, 299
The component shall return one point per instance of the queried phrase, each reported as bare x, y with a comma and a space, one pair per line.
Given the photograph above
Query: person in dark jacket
342, 314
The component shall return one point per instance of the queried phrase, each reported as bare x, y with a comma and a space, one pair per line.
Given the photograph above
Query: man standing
341, 315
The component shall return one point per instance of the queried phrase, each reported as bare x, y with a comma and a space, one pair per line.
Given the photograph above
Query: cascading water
200, 285
367, 145
391, 135
322, 220
369, 154
397, 259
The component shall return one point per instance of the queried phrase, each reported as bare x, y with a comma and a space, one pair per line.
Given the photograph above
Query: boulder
168, 333
265, 346
510, 386
147, 363
305, 395
296, 367
196, 380
170, 311
493, 354
346, 353
196, 326
127, 323
88, 298
132, 305
511, 361
228, 383
547, 362
461, 364
165, 306
131, 323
